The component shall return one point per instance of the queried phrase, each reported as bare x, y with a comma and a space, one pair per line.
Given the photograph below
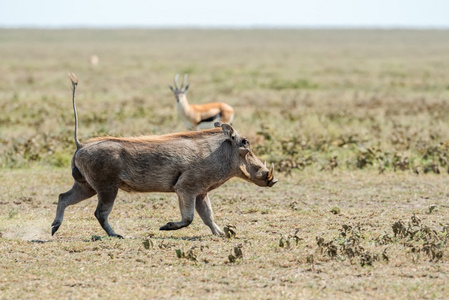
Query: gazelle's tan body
200, 116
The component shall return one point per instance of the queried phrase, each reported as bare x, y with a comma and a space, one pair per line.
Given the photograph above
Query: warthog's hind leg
187, 207
78, 193
204, 209
105, 203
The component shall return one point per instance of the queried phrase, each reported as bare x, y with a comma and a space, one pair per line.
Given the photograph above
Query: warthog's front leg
187, 207
204, 209
77, 193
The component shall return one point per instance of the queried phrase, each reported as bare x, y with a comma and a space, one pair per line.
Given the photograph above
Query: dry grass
319, 94
354, 120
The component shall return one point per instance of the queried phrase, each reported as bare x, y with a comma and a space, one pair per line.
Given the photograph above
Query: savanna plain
355, 121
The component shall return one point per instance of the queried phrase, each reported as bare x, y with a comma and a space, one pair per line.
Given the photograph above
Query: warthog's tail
74, 80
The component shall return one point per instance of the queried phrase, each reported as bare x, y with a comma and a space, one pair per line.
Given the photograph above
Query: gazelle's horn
184, 80
175, 81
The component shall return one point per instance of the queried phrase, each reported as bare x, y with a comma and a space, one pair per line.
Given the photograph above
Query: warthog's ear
217, 124
228, 131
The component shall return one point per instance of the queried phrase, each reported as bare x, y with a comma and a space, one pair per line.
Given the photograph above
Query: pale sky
229, 13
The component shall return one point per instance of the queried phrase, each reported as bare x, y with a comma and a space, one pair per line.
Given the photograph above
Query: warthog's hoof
54, 229
169, 226
115, 235
219, 233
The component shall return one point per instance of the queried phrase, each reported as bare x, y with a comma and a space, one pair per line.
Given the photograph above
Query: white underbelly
207, 125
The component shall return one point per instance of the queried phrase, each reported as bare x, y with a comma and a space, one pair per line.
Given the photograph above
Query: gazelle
200, 116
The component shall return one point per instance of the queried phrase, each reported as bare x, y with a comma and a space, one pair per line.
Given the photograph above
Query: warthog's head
250, 167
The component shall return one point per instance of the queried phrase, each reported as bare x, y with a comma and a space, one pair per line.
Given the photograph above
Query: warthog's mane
161, 138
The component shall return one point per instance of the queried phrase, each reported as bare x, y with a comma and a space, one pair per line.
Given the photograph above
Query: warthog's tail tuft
74, 80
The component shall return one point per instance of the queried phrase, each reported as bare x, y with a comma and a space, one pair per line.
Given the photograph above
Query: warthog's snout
272, 182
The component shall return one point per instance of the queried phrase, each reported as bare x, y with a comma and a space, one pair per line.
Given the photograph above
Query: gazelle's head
180, 92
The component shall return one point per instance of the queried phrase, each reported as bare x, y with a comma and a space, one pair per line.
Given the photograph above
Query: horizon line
227, 27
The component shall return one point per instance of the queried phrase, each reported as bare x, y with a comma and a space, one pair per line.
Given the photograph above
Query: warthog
190, 164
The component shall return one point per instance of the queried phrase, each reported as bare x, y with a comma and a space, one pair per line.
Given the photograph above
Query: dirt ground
277, 231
